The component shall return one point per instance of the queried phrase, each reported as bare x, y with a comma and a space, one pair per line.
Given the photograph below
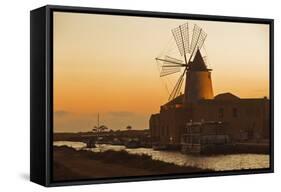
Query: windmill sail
198, 38
188, 44
177, 87
170, 66
181, 36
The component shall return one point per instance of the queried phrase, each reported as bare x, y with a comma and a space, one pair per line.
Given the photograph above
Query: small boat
116, 141
206, 138
90, 144
167, 147
132, 143
100, 140
159, 147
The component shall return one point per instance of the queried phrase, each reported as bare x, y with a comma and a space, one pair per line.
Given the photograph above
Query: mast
98, 120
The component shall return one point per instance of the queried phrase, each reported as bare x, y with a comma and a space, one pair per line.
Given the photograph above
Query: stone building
246, 119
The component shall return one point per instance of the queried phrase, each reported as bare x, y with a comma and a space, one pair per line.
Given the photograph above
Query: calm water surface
215, 162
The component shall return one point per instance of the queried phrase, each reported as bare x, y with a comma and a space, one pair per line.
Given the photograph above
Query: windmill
198, 84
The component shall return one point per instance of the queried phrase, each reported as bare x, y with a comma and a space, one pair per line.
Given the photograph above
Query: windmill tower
198, 82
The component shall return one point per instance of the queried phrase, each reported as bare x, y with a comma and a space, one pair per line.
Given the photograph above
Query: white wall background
14, 94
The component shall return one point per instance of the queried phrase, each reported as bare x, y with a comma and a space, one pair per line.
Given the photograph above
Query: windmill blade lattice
188, 43
197, 41
181, 36
177, 87
170, 66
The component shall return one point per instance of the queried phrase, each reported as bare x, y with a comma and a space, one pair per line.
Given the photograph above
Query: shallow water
215, 162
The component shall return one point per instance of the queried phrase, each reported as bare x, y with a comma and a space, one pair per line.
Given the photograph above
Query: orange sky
106, 64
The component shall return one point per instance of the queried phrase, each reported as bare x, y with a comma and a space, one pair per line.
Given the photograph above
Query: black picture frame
41, 99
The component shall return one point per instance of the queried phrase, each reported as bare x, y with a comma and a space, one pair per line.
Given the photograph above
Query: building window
234, 112
221, 113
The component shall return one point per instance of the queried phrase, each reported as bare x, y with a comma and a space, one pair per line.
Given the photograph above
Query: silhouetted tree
99, 129
129, 127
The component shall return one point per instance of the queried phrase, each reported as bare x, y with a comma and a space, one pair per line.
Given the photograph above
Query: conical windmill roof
198, 63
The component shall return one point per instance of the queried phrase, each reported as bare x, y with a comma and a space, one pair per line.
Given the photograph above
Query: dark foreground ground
70, 164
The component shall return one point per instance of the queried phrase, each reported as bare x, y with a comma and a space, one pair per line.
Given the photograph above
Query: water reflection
216, 162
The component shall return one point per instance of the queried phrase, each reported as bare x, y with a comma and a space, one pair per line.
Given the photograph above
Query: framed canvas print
123, 95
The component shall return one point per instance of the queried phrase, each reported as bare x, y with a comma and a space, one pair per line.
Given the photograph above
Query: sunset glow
106, 64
